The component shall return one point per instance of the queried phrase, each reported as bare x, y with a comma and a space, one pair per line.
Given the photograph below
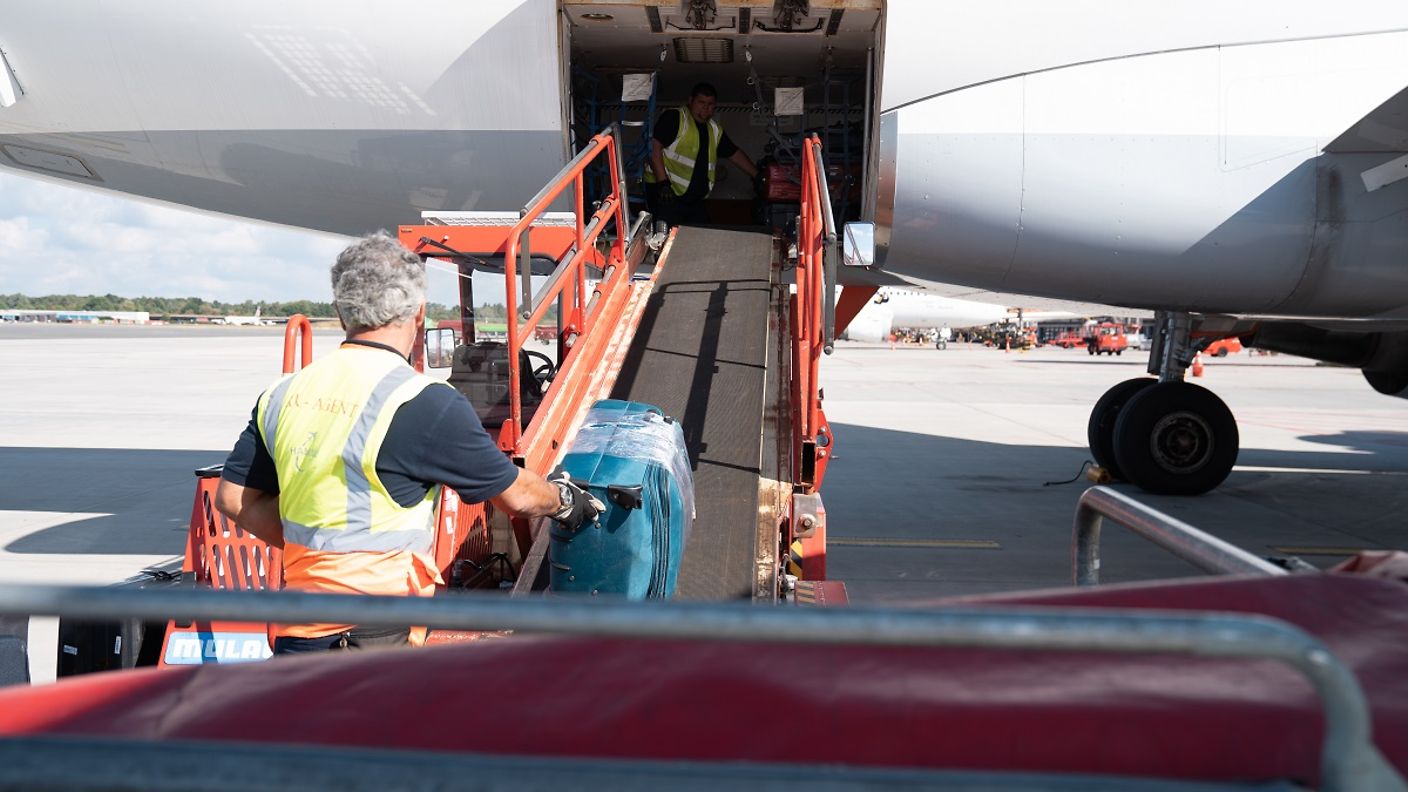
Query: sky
56, 239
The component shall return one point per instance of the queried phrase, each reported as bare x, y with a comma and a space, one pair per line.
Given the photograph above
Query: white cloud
58, 239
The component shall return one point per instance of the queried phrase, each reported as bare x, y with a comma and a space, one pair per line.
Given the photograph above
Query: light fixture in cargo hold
693, 49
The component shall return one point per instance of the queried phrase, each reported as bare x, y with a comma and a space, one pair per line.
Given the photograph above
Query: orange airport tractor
1106, 338
1223, 347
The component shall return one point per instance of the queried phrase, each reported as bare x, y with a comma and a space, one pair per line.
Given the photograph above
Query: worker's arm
253, 510
746, 165
530, 495
657, 160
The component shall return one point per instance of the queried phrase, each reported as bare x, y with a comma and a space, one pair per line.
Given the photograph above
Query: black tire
1100, 430
1220, 353
1090, 349
1176, 439
1119, 351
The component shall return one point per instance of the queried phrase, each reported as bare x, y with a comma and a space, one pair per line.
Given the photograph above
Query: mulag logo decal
221, 647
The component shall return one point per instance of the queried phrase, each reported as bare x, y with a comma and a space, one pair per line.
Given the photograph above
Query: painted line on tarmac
1333, 471
1324, 551
942, 544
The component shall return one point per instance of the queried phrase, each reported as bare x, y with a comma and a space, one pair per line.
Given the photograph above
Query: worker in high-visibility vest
684, 154
342, 462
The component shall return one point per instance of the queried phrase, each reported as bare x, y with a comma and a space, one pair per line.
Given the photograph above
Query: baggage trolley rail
1203, 550
1349, 761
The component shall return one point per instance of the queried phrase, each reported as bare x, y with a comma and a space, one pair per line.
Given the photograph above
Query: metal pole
867, 205
525, 272
828, 259
1348, 757
615, 131
1202, 549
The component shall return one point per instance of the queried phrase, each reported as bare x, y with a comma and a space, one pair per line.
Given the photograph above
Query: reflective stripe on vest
324, 427
680, 155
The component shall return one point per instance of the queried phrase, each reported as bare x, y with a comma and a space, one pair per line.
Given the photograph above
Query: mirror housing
858, 245
440, 343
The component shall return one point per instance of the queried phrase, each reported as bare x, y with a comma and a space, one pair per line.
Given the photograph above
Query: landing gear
1176, 438
1100, 431
1168, 436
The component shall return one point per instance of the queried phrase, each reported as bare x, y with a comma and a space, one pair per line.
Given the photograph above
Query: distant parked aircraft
910, 308
256, 320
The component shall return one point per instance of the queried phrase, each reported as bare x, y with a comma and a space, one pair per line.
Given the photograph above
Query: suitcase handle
625, 497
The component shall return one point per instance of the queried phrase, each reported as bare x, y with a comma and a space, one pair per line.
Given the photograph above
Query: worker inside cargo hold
342, 463
684, 153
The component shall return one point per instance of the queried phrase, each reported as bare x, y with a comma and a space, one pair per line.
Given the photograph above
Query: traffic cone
1198, 364
1007, 345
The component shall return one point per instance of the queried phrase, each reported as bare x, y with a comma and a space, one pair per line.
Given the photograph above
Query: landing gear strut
1168, 436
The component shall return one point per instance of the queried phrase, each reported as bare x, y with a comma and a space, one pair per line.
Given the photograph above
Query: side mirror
440, 346
858, 245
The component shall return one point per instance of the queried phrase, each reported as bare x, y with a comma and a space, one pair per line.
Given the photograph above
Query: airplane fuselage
1102, 151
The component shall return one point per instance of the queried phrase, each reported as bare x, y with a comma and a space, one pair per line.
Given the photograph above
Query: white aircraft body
916, 310
892, 307
252, 321
1236, 167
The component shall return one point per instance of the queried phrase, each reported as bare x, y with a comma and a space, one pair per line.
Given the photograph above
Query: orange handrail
812, 435
298, 333
611, 207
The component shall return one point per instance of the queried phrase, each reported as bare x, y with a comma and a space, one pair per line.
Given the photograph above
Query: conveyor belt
700, 354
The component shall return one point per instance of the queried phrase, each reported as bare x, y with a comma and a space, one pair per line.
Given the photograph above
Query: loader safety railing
814, 317
1349, 760
298, 336
569, 279
587, 313
1202, 549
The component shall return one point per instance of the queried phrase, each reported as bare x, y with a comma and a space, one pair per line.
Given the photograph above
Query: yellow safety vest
324, 427
680, 155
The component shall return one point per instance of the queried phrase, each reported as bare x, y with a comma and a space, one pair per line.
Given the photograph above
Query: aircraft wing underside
1383, 130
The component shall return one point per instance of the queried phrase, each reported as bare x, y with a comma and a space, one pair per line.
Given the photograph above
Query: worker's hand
579, 507
665, 196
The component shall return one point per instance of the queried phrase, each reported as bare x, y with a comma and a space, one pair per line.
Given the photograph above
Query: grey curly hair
376, 282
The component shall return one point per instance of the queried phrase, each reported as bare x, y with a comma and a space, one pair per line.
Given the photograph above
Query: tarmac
936, 488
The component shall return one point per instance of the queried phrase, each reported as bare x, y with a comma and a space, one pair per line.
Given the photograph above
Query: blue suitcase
633, 459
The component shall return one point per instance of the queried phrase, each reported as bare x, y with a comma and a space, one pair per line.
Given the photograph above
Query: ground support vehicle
1106, 338
1197, 685
1223, 347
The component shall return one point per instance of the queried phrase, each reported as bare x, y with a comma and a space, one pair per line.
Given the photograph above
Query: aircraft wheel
1176, 439
1100, 431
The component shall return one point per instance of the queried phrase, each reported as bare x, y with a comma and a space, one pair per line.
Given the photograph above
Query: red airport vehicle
1106, 338
1223, 347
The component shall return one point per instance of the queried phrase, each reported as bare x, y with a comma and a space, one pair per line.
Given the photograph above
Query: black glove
579, 507
665, 194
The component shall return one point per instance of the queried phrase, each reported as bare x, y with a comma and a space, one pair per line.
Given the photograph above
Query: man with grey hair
341, 463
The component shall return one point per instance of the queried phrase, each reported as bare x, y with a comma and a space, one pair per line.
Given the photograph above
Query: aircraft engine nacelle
1200, 181
1382, 357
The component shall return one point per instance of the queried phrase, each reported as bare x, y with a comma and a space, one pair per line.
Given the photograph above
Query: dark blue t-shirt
435, 437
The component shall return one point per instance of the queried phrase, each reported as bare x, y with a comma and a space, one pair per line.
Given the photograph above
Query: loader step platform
701, 355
